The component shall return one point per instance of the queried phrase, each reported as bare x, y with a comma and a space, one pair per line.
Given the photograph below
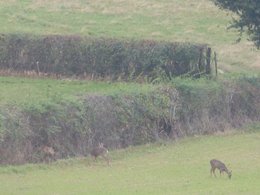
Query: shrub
100, 57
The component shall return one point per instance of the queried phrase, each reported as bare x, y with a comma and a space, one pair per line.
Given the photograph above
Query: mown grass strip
168, 168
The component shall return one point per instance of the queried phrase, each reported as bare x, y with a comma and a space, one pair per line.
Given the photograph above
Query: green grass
20, 91
171, 20
140, 19
172, 168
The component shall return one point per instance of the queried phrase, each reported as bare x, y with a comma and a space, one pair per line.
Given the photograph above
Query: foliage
127, 114
99, 57
249, 16
185, 21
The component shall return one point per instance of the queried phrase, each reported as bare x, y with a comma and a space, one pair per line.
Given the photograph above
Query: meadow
180, 167
175, 167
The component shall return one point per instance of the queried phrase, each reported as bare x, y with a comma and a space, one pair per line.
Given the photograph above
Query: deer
48, 153
100, 151
216, 164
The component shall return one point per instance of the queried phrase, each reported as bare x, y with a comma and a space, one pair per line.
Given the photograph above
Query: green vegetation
171, 168
72, 115
25, 91
171, 20
66, 114
101, 57
248, 17
146, 19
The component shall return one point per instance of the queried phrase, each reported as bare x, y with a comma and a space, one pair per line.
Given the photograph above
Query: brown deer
48, 153
100, 151
216, 164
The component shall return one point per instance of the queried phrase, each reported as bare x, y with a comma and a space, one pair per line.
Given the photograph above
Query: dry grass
238, 57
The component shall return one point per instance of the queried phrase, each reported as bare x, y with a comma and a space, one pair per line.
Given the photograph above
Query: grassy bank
172, 168
72, 116
23, 91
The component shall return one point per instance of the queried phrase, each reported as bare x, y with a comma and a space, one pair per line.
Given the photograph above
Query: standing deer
48, 153
216, 164
100, 151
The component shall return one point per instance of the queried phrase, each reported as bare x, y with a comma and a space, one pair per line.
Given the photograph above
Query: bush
169, 111
100, 57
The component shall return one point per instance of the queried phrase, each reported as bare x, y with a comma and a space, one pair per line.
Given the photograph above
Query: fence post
208, 59
200, 59
216, 63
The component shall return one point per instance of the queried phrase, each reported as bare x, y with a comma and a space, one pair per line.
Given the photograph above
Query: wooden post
208, 59
200, 59
38, 68
216, 63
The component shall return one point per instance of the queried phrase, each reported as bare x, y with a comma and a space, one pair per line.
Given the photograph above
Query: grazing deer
100, 151
216, 164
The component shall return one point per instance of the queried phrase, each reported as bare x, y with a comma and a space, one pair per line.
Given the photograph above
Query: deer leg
46, 159
106, 158
214, 172
95, 158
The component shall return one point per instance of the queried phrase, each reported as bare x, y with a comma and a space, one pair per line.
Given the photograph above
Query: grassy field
171, 168
171, 20
20, 91
167, 168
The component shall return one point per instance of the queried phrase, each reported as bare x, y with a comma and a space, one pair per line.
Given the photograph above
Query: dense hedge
170, 111
99, 57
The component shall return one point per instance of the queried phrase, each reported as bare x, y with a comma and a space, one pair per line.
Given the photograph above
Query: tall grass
169, 168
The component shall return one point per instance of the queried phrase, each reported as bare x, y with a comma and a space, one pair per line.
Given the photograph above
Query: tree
248, 20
